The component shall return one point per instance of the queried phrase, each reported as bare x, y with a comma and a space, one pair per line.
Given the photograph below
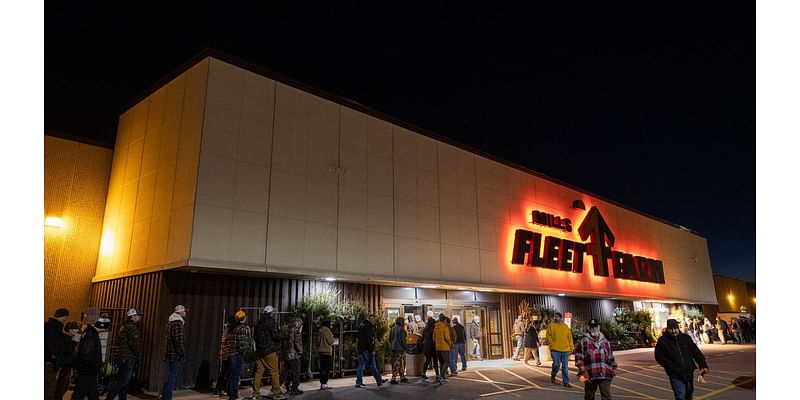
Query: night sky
651, 106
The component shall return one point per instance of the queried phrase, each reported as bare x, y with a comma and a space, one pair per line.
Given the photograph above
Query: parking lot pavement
731, 376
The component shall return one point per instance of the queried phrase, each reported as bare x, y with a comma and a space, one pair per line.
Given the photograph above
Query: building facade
233, 187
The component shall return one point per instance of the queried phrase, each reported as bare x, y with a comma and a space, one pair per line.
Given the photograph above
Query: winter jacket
128, 345
428, 344
325, 341
53, 345
441, 335
595, 357
397, 339
90, 352
366, 337
461, 333
238, 339
559, 337
292, 344
267, 337
475, 330
519, 327
70, 353
531, 337
678, 356
175, 338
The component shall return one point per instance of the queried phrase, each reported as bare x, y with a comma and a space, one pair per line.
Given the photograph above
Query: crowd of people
71, 350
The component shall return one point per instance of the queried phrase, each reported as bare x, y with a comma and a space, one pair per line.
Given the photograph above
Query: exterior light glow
484, 290
330, 279
561, 294
463, 288
54, 222
730, 298
107, 243
429, 286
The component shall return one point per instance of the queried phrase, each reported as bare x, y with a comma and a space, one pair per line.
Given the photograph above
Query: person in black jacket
459, 348
90, 359
71, 336
366, 352
429, 348
268, 343
126, 355
53, 350
677, 353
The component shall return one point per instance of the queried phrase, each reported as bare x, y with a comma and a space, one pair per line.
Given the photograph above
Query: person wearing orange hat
239, 341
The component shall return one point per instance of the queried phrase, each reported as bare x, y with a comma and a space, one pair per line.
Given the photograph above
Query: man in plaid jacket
595, 362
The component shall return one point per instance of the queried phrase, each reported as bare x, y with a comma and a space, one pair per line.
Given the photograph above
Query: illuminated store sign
536, 250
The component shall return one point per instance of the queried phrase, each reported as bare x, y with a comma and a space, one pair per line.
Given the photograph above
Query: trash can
544, 353
414, 364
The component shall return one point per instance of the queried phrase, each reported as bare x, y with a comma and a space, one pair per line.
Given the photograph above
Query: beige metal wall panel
150, 203
75, 187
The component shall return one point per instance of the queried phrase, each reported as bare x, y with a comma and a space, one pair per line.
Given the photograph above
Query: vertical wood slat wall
581, 308
209, 297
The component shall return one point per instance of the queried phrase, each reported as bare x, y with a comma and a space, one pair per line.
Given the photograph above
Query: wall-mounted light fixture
561, 295
54, 222
330, 279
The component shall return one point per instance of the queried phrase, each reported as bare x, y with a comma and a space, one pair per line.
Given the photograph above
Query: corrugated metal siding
580, 308
208, 297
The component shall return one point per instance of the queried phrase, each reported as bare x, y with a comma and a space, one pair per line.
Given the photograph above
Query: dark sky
651, 106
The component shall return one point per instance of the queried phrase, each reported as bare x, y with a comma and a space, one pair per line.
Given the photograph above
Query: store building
231, 186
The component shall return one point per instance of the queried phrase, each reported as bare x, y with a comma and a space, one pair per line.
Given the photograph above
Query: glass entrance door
495, 334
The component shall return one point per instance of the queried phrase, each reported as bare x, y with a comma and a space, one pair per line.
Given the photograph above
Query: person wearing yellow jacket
443, 340
559, 337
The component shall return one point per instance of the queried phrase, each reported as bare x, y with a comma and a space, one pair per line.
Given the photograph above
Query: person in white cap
268, 343
175, 352
126, 355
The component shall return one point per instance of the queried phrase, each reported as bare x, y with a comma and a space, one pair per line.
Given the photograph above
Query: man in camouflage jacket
292, 349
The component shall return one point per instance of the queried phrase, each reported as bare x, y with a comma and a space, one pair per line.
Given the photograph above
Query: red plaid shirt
595, 357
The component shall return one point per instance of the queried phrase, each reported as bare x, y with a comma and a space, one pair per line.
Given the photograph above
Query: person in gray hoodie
397, 343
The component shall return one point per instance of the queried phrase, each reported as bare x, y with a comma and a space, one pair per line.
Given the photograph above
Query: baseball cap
239, 314
103, 322
593, 322
269, 309
180, 308
134, 311
672, 324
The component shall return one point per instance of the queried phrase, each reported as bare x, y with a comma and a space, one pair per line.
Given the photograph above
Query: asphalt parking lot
732, 376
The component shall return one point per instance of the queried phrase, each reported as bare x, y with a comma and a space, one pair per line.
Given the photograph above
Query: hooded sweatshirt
175, 338
595, 357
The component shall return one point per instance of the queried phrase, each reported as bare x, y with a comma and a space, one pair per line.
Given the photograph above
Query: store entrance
490, 344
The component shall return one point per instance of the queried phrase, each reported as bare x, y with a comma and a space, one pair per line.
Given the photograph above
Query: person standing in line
268, 344
450, 359
459, 347
722, 330
239, 341
292, 350
595, 362
744, 330
175, 353
53, 350
677, 353
90, 359
420, 324
519, 328
476, 334
71, 337
734, 327
224, 362
443, 340
325, 351
531, 339
366, 352
126, 355
708, 329
429, 347
397, 344
559, 336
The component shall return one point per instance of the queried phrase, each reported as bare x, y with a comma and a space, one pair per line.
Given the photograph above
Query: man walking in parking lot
677, 353
559, 336
595, 362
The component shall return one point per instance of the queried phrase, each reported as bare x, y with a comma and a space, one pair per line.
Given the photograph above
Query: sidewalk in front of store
350, 381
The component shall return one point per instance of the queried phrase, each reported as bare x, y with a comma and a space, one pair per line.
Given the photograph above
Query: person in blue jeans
459, 347
175, 352
366, 352
680, 356
239, 340
126, 355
